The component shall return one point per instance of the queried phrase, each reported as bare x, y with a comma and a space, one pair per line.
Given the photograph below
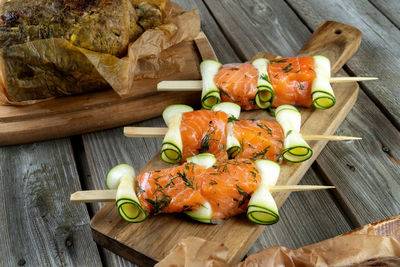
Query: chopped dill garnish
288, 67
205, 141
241, 191
300, 86
232, 118
139, 190
213, 182
278, 60
159, 204
225, 93
187, 181
262, 153
265, 78
265, 127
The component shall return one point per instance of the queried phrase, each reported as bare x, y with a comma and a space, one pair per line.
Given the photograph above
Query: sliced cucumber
204, 159
321, 89
296, 148
268, 170
262, 208
265, 93
232, 109
210, 94
170, 111
171, 150
202, 214
122, 178
233, 147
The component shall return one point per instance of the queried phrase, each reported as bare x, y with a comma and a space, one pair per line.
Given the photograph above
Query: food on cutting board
66, 47
220, 132
299, 81
206, 190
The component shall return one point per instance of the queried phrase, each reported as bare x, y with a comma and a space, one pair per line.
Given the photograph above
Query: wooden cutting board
148, 242
72, 115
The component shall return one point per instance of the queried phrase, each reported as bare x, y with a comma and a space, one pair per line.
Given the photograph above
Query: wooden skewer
161, 131
90, 196
196, 85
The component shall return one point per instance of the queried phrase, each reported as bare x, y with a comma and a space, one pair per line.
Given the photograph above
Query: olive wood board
72, 115
148, 242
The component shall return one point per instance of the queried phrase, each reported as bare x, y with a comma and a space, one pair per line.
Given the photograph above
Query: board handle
336, 41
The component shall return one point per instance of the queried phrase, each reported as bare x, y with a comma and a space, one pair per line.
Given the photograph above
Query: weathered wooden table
39, 227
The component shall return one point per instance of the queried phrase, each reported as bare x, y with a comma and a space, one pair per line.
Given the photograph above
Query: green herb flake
262, 153
278, 60
232, 119
205, 141
288, 68
265, 77
265, 127
300, 86
213, 182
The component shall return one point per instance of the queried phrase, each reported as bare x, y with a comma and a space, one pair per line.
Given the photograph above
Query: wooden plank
380, 43
107, 148
139, 242
389, 8
366, 174
39, 227
373, 126
367, 177
260, 26
124, 148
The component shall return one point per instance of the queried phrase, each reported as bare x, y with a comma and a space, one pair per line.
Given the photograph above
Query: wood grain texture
367, 178
38, 224
254, 26
366, 174
74, 115
337, 41
238, 233
378, 54
389, 8
106, 148
373, 126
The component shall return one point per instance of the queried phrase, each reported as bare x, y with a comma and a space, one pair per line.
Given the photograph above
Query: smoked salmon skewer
298, 81
220, 132
205, 189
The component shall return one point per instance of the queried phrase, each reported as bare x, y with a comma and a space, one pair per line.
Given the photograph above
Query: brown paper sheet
376, 244
150, 56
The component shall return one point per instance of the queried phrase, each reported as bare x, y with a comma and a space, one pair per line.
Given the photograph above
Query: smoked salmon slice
205, 131
226, 186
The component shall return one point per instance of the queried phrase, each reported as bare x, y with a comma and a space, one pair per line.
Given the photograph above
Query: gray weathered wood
378, 202
218, 41
39, 226
367, 178
255, 26
390, 8
378, 56
108, 148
